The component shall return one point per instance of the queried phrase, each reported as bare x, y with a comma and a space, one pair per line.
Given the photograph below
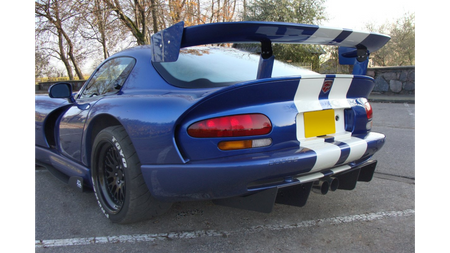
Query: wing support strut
266, 60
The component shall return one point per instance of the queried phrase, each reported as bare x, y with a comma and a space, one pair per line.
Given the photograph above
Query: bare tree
73, 30
134, 17
400, 50
97, 24
56, 13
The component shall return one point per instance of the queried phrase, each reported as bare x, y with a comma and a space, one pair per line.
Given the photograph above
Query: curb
392, 99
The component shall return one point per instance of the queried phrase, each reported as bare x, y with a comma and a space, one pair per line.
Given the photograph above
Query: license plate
319, 123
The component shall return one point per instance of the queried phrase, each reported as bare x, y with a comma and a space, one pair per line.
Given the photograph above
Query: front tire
117, 180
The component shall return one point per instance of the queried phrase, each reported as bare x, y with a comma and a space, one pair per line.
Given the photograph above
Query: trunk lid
300, 110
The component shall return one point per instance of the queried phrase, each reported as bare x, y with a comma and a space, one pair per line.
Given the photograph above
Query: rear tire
117, 180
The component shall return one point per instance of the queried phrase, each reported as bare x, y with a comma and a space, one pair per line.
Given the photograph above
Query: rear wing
354, 46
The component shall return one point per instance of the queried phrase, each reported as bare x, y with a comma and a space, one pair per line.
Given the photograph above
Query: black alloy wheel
111, 177
117, 180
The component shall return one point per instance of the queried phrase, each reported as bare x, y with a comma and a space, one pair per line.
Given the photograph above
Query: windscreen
202, 67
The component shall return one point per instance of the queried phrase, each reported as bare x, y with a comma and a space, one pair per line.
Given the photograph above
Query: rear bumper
248, 174
297, 192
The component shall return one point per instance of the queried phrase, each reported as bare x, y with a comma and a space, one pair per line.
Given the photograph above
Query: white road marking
214, 233
410, 112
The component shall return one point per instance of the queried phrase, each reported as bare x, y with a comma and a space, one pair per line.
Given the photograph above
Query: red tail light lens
369, 113
369, 110
231, 126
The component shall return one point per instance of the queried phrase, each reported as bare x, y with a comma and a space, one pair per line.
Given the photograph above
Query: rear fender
254, 97
150, 130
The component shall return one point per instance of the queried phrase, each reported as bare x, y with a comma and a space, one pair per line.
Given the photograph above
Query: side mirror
61, 90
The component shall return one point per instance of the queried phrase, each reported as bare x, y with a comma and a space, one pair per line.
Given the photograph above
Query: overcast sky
355, 14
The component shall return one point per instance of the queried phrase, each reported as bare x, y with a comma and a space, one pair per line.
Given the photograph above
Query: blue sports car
180, 121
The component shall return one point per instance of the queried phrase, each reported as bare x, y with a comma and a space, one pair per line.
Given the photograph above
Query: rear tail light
369, 110
231, 126
369, 113
244, 144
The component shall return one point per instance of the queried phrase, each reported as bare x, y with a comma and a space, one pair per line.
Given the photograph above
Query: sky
355, 14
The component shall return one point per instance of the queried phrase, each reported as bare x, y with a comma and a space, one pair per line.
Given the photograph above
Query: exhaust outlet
334, 183
321, 187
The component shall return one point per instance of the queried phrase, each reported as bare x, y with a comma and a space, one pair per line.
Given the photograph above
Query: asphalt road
378, 216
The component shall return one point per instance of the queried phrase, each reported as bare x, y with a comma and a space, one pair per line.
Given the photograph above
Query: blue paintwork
166, 44
265, 67
214, 179
156, 116
276, 32
348, 56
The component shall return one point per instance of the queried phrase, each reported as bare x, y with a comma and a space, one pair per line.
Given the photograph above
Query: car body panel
156, 115
45, 106
240, 175
283, 100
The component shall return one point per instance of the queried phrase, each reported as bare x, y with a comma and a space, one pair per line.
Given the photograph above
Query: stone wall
394, 80
388, 80
76, 85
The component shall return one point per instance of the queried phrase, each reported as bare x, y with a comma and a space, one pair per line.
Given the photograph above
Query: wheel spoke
121, 195
111, 160
109, 173
113, 177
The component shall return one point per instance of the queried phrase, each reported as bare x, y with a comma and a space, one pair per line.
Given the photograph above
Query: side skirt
64, 169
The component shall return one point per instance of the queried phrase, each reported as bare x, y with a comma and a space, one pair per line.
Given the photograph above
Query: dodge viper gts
185, 119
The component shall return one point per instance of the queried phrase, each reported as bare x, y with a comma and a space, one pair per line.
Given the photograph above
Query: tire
117, 180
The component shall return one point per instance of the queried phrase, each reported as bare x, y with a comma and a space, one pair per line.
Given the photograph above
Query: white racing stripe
307, 99
324, 35
319, 175
357, 148
216, 233
354, 38
338, 92
307, 96
340, 169
327, 154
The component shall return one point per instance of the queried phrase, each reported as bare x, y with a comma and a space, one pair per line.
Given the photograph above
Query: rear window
202, 67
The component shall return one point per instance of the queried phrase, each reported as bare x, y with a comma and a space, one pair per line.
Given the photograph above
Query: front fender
47, 112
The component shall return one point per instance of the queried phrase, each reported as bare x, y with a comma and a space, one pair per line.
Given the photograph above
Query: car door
106, 81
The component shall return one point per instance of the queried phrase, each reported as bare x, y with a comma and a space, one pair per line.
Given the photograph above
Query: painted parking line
214, 233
